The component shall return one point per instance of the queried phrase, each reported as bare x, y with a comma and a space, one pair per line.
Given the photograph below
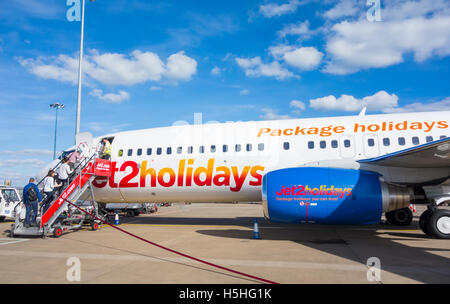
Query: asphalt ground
223, 234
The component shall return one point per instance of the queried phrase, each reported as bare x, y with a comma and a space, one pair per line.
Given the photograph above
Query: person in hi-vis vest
106, 153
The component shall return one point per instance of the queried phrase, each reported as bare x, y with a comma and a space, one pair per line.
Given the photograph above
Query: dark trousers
106, 156
50, 196
31, 206
64, 183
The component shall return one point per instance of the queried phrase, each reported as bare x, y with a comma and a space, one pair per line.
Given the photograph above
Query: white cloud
25, 152
443, 105
155, 88
118, 69
181, 67
271, 114
255, 68
297, 104
305, 58
381, 101
113, 68
244, 92
344, 8
353, 46
35, 163
62, 68
105, 127
110, 97
296, 29
399, 9
216, 71
275, 10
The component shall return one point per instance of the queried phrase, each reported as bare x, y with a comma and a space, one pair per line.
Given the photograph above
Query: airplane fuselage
225, 162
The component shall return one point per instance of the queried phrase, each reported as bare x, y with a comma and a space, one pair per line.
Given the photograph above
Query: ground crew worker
106, 153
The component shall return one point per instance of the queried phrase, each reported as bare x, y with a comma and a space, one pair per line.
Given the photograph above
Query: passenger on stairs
49, 190
63, 172
31, 196
74, 157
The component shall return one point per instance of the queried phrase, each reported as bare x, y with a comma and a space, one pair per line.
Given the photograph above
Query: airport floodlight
56, 106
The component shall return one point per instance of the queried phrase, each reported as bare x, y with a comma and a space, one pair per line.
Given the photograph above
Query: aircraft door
371, 146
347, 146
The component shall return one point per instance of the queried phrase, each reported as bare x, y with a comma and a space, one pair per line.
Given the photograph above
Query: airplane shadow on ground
355, 243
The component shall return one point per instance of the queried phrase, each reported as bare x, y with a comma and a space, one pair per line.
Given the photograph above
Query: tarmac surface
223, 234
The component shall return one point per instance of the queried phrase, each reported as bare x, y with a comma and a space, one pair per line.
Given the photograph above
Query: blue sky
151, 63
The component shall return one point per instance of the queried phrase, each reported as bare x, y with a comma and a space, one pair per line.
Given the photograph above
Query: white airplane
333, 170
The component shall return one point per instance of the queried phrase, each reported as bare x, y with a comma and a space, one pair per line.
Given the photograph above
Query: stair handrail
83, 164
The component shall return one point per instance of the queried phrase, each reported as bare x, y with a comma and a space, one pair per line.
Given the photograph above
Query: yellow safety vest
107, 149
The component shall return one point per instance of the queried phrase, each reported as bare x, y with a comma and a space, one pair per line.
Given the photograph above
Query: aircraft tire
423, 221
11, 233
439, 224
400, 217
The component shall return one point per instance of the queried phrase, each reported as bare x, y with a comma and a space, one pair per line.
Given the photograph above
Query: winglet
363, 112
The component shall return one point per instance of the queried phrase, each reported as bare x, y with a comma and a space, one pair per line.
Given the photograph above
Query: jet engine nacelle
329, 196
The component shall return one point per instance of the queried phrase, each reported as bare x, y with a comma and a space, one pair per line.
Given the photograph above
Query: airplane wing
435, 154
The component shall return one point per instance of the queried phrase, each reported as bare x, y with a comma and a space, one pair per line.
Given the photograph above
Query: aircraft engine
329, 196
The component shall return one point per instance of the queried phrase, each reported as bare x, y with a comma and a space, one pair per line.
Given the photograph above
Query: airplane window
159, 151
120, 153
169, 150
249, 147
286, 145
310, 145
201, 149
401, 141
386, 141
149, 151
260, 147
179, 150
225, 148
323, 144
130, 152
334, 144
213, 149
190, 150
429, 139
371, 142
415, 140
347, 143
443, 136
238, 148
139, 152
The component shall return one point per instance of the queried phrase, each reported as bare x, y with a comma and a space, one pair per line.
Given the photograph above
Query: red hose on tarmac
174, 251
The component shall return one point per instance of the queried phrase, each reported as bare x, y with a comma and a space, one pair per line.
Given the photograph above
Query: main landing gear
435, 222
399, 217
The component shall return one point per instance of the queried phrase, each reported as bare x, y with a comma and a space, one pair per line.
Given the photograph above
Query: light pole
77, 125
56, 106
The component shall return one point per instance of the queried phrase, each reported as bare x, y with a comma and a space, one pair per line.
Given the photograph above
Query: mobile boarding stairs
61, 216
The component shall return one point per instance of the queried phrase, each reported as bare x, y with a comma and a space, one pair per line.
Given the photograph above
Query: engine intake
329, 196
